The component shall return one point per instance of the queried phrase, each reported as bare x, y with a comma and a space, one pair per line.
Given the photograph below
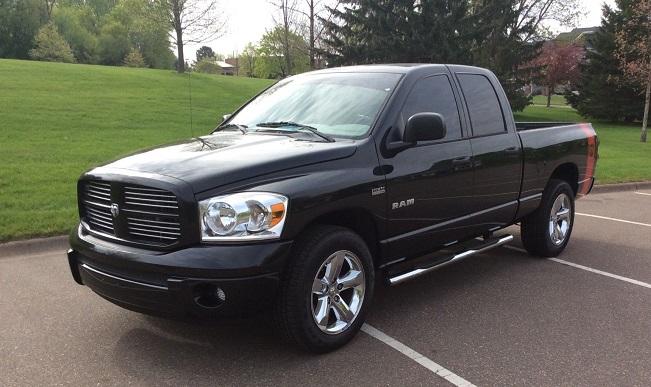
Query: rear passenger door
497, 153
431, 183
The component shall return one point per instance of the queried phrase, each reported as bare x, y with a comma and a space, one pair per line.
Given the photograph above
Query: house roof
576, 34
224, 65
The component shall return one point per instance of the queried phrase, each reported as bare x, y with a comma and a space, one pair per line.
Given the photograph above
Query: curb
34, 246
621, 187
43, 245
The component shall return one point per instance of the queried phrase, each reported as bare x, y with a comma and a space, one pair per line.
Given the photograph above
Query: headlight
242, 216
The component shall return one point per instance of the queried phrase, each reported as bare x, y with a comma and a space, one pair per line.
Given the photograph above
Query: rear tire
546, 232
326, 289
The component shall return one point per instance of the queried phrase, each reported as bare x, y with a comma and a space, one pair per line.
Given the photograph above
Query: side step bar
395, 280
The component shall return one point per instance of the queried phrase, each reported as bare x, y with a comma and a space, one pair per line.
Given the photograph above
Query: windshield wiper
311, 129
241, 128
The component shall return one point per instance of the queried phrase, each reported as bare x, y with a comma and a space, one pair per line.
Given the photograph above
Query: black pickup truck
322, 186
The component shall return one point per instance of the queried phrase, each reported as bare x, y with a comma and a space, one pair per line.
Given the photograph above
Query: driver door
431, 186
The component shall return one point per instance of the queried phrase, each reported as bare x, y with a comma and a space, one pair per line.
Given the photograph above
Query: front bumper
196, 281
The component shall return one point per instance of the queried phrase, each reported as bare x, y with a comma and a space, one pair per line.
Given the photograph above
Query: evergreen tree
602, 91
482, 33
134, 59
50, 46
205, 52
394, 31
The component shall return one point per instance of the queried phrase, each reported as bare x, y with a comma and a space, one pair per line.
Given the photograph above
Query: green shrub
207, 66
51, 47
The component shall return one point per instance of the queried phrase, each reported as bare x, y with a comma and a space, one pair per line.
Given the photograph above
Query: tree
49, 6
501, 35
191, 21
602, 91
205, 52
271, 59
50, 46
20, 21
634, 53
285, 27
134, 59
247, 60
78, 26
130, 25
559, 63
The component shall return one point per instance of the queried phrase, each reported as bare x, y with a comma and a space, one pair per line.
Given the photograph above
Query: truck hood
224, 158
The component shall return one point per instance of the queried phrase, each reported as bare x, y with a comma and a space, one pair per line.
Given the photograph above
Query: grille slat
154, 236
154, 222
151, 205
155, 227
154, 232
101, 222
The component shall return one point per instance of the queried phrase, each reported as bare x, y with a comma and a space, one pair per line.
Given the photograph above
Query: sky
247, 21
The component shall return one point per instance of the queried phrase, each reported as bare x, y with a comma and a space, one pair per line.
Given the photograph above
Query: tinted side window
434, 95
484, 107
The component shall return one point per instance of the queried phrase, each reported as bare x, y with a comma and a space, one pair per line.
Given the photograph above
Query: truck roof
401, 68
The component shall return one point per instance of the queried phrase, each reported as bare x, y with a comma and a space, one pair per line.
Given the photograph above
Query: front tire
326, 289
546, 232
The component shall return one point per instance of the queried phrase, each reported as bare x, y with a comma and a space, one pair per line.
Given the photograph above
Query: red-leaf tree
634, 52
558, 63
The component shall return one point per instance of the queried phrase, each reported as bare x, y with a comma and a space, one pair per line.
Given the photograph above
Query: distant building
579, 36
235, 64
227, 68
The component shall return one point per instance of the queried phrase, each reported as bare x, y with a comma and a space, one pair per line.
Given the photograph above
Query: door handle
512, 150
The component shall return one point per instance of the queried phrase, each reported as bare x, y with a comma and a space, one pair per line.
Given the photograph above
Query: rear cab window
486, 117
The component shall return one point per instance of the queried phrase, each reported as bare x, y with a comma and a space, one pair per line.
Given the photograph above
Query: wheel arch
359, 220
568, 172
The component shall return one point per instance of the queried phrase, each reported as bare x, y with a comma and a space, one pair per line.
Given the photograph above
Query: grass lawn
58, 120
557, 100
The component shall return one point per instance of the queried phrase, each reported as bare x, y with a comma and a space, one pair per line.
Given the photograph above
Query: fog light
208, 296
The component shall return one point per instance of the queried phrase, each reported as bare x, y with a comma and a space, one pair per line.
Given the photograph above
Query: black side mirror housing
424, 127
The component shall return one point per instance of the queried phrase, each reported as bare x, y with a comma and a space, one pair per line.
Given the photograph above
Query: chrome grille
152, 215
143, 215
97, 206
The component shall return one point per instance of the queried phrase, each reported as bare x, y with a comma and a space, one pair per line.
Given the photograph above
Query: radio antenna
190, 91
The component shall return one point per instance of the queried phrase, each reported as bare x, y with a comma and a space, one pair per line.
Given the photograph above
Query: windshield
336, 104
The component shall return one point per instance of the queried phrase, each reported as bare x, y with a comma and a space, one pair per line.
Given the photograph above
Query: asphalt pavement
499, 318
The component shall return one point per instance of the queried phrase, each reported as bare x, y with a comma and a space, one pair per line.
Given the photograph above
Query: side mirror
226, 116
424, 127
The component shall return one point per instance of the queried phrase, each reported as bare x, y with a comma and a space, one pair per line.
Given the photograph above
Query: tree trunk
179, 49
647, 99
549, 95
178, 27
312, 43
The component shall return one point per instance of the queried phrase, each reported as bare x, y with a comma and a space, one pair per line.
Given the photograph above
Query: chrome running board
491, 244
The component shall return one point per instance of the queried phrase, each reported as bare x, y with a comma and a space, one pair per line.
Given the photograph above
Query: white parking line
591, 270
614, 219
643, 193
415, 356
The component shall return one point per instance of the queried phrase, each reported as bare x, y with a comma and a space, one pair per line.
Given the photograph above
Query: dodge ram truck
322, 186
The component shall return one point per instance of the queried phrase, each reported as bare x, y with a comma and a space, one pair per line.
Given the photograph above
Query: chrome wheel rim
560, 219
338, 292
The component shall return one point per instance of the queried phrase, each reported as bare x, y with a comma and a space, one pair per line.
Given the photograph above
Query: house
579, 36
235, 63
227, 68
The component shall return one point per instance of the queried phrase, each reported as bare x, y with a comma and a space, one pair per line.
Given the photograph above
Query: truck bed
550, 145
540, 125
